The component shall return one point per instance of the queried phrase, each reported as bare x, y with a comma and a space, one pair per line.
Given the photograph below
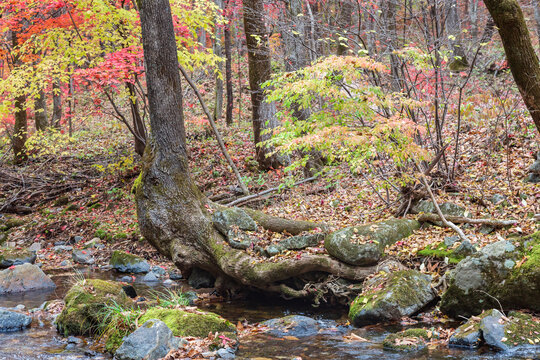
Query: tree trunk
20, 130
228, 72
344, 22
519, 51
171, 210
57, 105
388, 17
536, 8
139, 131
40, 112
260, 68
453, 30
473, 17
218, 105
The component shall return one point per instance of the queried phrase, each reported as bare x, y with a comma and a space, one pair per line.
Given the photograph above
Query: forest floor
82, 187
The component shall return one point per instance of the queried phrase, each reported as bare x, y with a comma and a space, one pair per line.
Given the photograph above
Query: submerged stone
292, 325
129, 263
390, 296
364, 245
13, 321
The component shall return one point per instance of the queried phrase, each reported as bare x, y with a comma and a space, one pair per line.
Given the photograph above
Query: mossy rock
364, 245
10, 257
390, 296
447, 208
225, 220
441, 251
84, 305
407, 340
7, 223
183, 323
128, 263
504, 272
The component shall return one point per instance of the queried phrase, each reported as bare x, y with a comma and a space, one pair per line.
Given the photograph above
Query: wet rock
292, 325
447, 208
151, 277
224, 220
11, 257
191, 297
407, 340
364, 245
175, 275
13, 321
126, 278
492, 328
225, 353
169, 282
83, 257
493, 271
129, 263
390, 296
130, 291
183, 323
74, 340
84, 304
24, 278
200, 278
152, 341
467, 335
158, 270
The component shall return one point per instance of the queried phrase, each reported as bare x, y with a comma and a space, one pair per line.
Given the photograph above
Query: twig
216, 131
262, 193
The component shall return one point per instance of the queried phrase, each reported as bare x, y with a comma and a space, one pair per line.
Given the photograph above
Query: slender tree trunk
139, 131
218, 104
260, 68
472, 11
228, 71
343, 24
40, 112
57, 105
536, 8
20, 130
390, 40
519, 51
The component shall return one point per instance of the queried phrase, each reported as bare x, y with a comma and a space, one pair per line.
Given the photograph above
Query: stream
41, 341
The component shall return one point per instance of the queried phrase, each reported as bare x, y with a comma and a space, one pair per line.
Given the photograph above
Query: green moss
413, 339
85, 302
184, 323
123, 258
440, 251
113, 342
521, 329
137, 183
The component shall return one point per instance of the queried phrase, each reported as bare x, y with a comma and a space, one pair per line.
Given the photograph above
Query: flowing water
41, 341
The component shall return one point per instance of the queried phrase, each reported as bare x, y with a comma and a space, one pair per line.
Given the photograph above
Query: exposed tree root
463, 220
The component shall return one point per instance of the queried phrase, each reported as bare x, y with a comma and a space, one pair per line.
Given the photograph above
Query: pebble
126, 279
150, 277
169, 282
158, 270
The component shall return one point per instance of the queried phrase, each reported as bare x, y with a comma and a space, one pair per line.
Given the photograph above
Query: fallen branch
262, 193
463, 220
216, 131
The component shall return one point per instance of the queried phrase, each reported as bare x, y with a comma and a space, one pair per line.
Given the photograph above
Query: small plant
170, 298
118, 322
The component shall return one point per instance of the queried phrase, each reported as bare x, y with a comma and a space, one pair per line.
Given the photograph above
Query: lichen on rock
407, 340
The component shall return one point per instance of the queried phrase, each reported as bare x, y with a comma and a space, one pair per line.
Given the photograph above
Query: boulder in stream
13, 321
364, 245
390, 296
505, 272
22, 278
200, 278
129, 263
84, 304
406, 340
152, 341
10, 257
292, 325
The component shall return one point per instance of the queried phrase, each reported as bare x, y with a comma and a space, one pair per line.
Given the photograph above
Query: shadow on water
42, 342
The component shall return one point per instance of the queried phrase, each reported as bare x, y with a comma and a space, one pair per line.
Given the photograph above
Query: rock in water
390, 296
492, 275
129, 263
85, 302
11, 257
292, 325
151, 277
406, 340
364, 245
83, 257
152, 341
23, 278
13, 321
201, 279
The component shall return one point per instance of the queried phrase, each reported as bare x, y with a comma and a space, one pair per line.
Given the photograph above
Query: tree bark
139, 131
228, 72
20, 130
519, 51
344, 22
218, 95
57, 105
172, 212
453, 30
260, 68
388, 17
40, 112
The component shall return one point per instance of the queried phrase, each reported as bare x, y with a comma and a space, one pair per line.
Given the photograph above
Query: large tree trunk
260, 68
171, 210
519, 51
40, 112
20, 130
57, 105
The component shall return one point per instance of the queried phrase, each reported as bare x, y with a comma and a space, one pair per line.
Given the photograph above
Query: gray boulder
23, 278
200, 278
10, 257
83, 257
292, 325
298, 242
129, 263
364, 245
13, 321
534, 171
224, 220
390, 296
151, 277
152, 341
505, 272
447, 208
